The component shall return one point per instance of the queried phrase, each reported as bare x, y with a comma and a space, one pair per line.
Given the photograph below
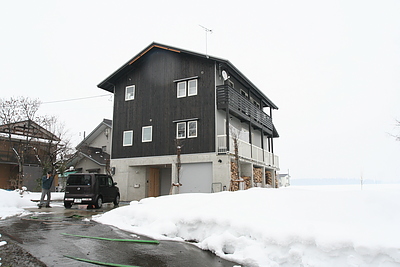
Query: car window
102, 180
80, 179
110, 182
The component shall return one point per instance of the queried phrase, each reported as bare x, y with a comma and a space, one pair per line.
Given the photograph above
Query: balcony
248, 151
241, 107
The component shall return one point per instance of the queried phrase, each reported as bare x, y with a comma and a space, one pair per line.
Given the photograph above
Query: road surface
41, 234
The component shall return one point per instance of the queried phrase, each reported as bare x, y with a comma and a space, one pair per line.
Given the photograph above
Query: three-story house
177, 117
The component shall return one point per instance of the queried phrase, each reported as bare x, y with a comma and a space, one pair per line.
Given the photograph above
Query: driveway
42, 235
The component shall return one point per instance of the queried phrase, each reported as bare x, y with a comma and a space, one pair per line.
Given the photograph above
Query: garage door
196, 178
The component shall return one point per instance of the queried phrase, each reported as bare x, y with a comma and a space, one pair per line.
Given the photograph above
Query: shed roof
28, 128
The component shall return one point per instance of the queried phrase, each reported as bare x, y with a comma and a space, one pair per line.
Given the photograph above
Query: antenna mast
207, 31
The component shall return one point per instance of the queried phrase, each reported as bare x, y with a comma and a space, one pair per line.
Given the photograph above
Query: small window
129, 92
243, 93
181, 89
192, 87
186, 87
254, 102
181, 130
186, 129
147, 133
128, 138
192, 129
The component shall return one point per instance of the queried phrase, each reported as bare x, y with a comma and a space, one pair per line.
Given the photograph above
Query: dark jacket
47, 182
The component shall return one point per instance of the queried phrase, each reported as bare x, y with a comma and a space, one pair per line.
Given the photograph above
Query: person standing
47, 181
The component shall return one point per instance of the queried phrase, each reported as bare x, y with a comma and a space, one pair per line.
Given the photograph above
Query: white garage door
196, 178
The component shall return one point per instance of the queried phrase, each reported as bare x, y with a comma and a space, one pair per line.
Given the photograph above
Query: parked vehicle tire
116, 200
99, 202
67, 205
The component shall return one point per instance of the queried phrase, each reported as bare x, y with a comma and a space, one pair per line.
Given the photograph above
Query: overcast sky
332, 67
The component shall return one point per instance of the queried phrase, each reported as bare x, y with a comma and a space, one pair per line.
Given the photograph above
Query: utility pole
361, 181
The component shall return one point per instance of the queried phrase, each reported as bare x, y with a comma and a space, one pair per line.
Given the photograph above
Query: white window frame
177, 130
188, 129
179, 91
129, 96
144, 128
192, 92
126, 139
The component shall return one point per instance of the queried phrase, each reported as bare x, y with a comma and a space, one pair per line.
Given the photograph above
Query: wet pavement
41, 234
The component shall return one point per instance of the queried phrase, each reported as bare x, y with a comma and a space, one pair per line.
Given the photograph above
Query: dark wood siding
156, 104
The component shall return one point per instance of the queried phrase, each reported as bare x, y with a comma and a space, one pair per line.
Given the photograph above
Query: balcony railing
248, 151
229, 98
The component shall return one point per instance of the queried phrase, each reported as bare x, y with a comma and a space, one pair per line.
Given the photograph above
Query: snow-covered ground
293, 226
12, 203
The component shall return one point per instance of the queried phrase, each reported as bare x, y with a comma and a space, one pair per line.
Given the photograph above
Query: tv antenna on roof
207, 31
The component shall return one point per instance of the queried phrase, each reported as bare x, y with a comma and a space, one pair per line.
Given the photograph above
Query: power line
74, 99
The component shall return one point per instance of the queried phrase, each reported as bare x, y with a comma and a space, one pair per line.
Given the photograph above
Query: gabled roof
109, 82
93, 135
92, 153
28, 128
95, 154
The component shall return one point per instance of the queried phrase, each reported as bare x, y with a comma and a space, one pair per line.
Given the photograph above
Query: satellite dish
225, 75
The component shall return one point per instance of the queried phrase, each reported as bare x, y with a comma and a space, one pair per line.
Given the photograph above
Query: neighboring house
24, 147
170, 101
284, 180
93, 153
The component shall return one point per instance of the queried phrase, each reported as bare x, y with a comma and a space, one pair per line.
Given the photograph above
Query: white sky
332, 67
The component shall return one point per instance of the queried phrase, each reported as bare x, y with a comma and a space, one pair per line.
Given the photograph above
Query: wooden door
154, 183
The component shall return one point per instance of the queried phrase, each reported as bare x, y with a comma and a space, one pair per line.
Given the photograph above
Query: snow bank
294, 226
12, 203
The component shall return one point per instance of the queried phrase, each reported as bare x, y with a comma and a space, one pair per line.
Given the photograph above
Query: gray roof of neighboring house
101, 127
28, 128
92, 153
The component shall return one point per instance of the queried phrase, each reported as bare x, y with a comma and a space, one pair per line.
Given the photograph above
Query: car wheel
99, 203
116, 201
67, 205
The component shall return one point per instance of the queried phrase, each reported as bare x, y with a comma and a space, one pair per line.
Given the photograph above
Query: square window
181, 130
127, 138
147, 134
129, 92
181, 89
192, 87
192, 129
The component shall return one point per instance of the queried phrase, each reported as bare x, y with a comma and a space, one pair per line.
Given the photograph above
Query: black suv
91, 189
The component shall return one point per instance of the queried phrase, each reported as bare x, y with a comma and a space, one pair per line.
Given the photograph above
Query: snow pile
12, 203
294, 226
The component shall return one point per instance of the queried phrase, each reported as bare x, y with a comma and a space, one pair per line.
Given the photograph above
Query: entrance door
154, 183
